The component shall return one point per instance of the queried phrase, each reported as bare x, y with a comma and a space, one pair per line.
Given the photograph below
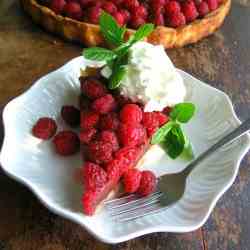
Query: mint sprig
114, 35
171, 135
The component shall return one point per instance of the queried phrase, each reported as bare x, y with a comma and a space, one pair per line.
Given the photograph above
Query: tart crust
89, 34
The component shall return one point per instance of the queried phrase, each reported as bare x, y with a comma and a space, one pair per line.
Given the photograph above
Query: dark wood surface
222, 60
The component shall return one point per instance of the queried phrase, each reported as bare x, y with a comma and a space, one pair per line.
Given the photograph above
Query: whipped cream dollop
151, 78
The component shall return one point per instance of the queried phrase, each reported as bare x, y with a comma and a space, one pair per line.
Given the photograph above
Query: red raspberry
117, 2
147, 183
87, 135
73, 10
131, 134
212, 4
44, 128
83, 102
71, 115
172, 8
100, 151
177, 20
114, 170
110, 137
189, 10
89, 119
167, 110
66, 143
86, 3
88, 202
92, 87
157, 4
94, 14
127, 155
109, 7
161, 117
136, 21
109, 121
151, 122
57, 6
158, 20
131, 180
140, 11
126, 15
94, 176
130, 4
119, 18
131, 113
104, 104
203, 9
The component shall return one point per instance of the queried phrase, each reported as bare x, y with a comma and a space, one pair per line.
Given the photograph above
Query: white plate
34, 163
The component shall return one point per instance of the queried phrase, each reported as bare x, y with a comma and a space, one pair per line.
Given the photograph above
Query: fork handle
236, 133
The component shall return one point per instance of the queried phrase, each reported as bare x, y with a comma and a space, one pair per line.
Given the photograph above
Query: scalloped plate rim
69, 215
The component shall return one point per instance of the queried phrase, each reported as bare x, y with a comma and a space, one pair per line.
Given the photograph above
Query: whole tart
89, 34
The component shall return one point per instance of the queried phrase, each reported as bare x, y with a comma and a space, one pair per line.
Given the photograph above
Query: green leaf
116, 77
188, 153
161, 133
182, 112
174, 142
111, 31
98, 54
123, 49
142, 32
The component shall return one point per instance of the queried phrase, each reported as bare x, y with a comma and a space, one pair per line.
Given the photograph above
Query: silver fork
170, 187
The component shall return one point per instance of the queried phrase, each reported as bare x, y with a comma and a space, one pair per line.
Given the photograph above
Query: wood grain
222, 60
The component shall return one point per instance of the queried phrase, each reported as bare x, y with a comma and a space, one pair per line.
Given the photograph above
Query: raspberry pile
114, 135
134, 13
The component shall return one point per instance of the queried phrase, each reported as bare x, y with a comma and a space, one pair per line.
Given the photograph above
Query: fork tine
134, 207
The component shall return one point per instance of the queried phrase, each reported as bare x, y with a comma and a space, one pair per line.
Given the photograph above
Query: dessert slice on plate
125, 108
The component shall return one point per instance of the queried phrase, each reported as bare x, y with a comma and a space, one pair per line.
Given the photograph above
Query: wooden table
222, 60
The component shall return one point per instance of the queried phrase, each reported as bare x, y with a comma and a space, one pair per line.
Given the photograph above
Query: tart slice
115, 134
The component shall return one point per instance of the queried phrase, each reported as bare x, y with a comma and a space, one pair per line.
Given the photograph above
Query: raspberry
126, 15
73, 10
127, 155
161, 117
89, 119
114, 170
203, 9
88, 202
136, 21
131, 113
147, 183
151, 122
92, 87
119, 18
177, 20
83, 102
167, 110
71, 115
158, 20
141, 11
44, 128
172, 8
117, 2
212, 4
94, 176
87, 135
109, 7
157, 4
86, 3
189, 10
94, 14
110, 137
131, 180
109, 121
57, 6
66, 143
100, 151
104, 104
130, 4
131, 134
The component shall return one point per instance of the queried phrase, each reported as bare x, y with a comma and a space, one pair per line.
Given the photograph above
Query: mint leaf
98, 54
188, 153
174, 142
111, 31
116, 77
182, 112
142, 32
160, 134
